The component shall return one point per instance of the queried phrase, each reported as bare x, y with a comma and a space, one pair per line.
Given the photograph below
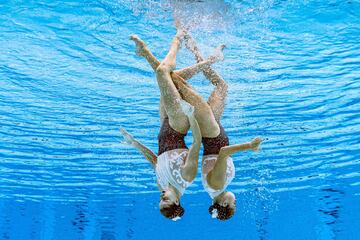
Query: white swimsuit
168, 170
208, 164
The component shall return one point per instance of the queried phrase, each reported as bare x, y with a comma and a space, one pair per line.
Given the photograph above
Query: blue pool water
70, 78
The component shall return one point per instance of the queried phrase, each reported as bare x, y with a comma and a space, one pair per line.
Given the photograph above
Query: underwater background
70, 79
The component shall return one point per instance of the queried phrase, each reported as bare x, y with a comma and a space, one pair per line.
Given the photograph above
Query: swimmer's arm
232, 149
189, 170
148, 154
217, 176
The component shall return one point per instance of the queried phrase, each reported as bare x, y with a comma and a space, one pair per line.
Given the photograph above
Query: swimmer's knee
213, 131
180, 124
163, 68
209, 126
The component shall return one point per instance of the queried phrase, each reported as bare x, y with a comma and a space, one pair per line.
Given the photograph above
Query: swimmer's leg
209, 73
217, 99
190, 44
218, 96
203, 113
170, 95
202, 65
143, 50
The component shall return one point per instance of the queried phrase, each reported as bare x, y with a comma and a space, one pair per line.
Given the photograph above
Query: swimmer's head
170, 205
224, 206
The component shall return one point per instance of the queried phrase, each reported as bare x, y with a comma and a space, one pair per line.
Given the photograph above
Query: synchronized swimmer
182, 108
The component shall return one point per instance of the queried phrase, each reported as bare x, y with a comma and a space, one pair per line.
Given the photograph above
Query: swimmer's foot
186, 107
181, 31
140, 45
218, 54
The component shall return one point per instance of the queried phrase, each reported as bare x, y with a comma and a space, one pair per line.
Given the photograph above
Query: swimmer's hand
187, 108
129, 139
256, 143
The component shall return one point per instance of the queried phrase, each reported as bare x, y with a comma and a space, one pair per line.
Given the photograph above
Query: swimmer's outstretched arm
232, 149
217, 176
148, 154
189, 169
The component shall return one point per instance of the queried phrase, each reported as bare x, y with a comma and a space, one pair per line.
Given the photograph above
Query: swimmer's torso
212, 147
208, 163
168, 169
